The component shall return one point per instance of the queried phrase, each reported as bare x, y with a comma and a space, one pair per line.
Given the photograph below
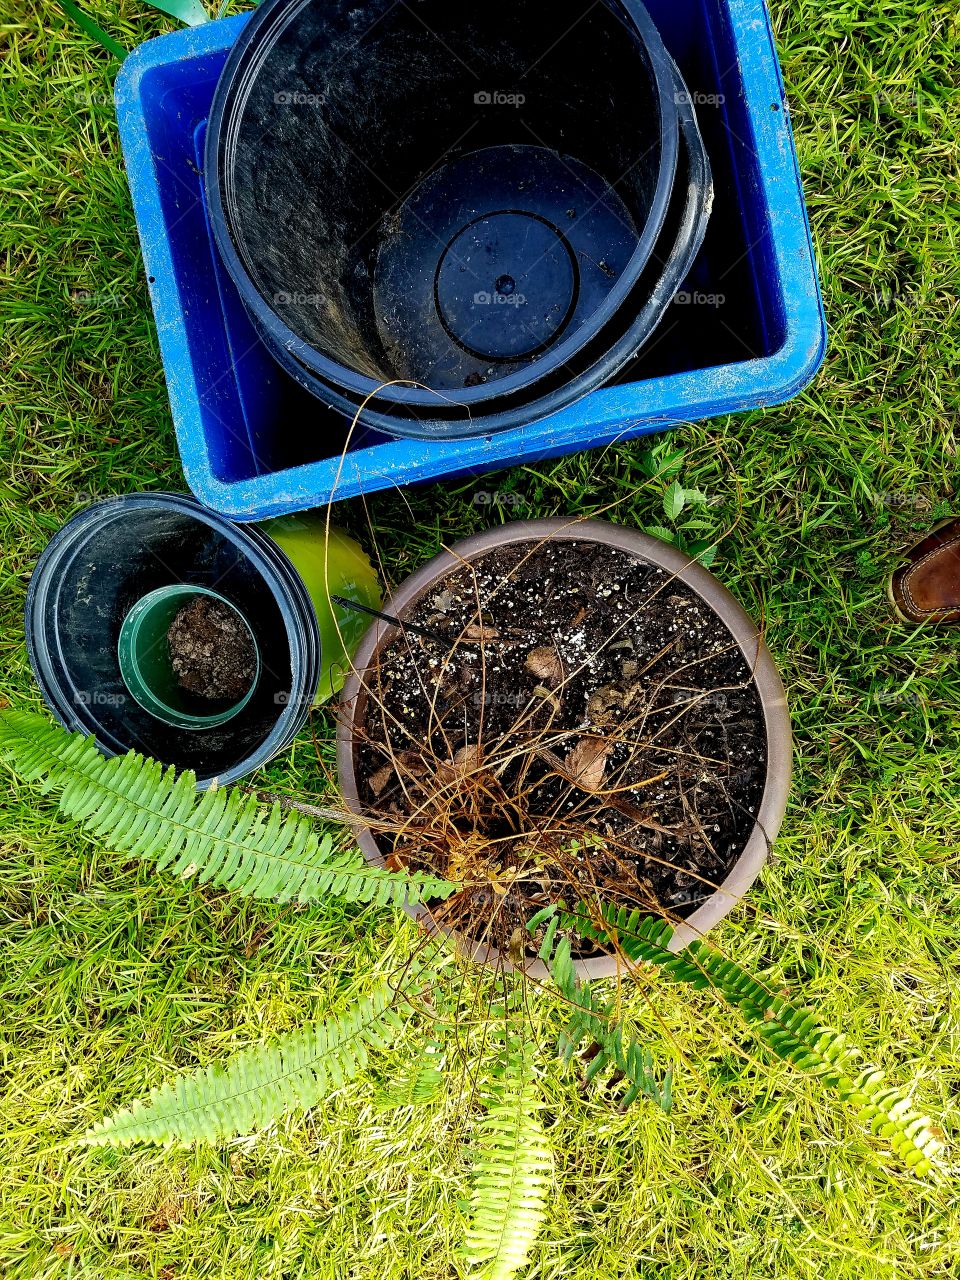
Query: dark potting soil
590, 730
211, 650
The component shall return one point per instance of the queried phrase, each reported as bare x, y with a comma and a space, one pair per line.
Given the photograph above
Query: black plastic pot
391, 210
618, 342
110, 558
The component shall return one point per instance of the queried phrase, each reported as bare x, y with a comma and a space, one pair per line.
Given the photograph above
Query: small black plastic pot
98, 652
441, 198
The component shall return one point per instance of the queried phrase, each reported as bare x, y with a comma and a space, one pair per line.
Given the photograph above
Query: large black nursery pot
108, 585
486, 207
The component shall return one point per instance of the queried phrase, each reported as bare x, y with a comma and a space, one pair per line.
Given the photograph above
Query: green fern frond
418, 1086
597, 1024
792, 1034
258, 1085
512, 1172
222, 837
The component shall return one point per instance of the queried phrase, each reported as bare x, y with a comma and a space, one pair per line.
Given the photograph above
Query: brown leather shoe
927, 587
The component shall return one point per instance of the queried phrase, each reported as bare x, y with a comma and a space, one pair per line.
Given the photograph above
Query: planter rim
716, 596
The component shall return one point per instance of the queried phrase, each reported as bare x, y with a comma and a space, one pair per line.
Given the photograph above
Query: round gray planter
766, 677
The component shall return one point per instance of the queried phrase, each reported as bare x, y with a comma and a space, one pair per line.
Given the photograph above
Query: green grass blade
88, 25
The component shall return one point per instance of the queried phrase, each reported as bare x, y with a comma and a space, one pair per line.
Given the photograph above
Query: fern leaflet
258, 1085
512, 1171
418, 1086
596, 1023
792, 1034
221, 836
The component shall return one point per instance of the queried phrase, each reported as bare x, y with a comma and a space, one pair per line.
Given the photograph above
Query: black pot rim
688, 238
283, 579
238, 73
769, 686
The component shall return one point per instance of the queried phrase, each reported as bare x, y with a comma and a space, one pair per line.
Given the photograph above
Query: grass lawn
113, 977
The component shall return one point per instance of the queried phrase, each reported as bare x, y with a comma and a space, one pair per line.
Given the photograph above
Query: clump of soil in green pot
588, 729
211, 650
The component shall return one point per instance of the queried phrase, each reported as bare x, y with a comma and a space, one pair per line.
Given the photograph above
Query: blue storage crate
747, 328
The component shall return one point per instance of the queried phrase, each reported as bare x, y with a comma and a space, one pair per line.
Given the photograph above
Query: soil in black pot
211, 650
589, 731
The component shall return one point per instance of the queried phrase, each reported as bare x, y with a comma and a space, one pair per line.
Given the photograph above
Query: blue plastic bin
747, 328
